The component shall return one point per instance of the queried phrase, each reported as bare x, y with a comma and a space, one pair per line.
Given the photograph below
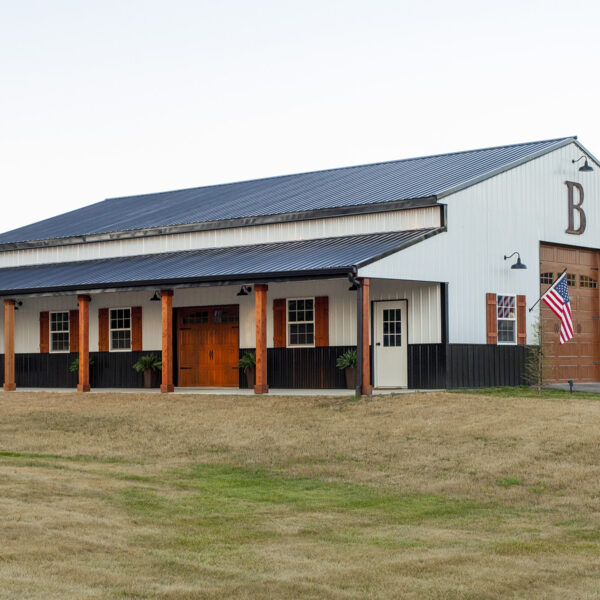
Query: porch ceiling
305, 258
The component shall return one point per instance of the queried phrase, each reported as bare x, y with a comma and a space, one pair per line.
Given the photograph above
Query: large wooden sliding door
208, 346
579, 358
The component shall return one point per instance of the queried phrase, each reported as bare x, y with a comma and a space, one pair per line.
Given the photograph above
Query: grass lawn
444, 495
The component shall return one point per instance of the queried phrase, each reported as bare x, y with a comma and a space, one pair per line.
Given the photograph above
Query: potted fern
248, 364
148, 365
347, 361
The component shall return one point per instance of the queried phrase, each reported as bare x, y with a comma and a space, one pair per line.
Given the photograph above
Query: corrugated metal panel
306, 256
336, 188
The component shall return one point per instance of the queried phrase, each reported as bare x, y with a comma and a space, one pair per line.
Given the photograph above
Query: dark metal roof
316, 257
305, 193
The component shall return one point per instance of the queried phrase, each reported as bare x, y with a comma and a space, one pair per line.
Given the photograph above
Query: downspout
359, 332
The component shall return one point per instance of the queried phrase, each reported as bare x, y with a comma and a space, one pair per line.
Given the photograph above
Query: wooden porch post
83, 384
166, 297
9, 346
261, 386
367, 388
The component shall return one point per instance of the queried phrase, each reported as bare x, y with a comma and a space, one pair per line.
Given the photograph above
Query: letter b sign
575, 207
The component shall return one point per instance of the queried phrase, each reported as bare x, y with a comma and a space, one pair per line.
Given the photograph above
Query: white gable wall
513, 211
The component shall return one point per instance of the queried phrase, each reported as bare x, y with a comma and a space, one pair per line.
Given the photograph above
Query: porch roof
267, 262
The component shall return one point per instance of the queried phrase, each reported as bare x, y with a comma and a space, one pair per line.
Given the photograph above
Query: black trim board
445, 325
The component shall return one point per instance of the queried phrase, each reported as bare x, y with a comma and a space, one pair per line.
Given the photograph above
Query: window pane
120, 318
197, 317
506, 331
392, 327
121, 340
59, 321
586, 281
229, 316
571, 279
506, 307
301, 334
60, 342
546, 277
301, 322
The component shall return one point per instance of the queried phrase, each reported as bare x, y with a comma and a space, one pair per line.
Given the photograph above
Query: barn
426, 266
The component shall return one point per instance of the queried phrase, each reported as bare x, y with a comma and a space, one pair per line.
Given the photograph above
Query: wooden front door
208, 346
579, 358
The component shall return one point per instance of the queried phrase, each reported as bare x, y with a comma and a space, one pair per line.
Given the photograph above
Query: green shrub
148, 361
348, 359
248, 361
74, 366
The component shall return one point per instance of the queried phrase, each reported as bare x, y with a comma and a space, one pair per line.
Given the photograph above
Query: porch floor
223, 391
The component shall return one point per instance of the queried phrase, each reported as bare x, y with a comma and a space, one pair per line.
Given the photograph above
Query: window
226, 316
120, 329
571, 279
195, 318
507, 319
59, 331
301, 322
392, 327
588, 282
546, 277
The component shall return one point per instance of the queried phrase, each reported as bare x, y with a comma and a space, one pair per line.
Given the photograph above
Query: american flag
557, 298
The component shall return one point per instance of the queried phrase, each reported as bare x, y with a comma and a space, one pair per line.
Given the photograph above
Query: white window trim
110, 329
68, 332
288, 323
499, 343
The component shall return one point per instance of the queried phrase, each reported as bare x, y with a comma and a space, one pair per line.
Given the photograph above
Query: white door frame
401, 381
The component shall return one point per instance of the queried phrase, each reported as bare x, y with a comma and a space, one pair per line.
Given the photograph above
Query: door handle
378, 344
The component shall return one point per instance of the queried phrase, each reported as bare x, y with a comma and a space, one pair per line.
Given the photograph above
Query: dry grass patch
412, 496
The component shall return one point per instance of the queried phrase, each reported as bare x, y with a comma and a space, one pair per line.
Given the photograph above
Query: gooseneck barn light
586, 166
155, 298
244, 290
518, 264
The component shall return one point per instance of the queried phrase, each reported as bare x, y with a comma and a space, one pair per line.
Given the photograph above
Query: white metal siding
510, 212
319, 228
423, 302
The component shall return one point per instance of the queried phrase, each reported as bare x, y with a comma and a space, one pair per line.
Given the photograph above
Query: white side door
390, 343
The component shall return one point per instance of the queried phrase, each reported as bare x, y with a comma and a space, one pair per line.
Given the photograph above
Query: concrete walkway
590, 388
222, 391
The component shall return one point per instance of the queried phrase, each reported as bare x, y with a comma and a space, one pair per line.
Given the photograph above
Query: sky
104, 98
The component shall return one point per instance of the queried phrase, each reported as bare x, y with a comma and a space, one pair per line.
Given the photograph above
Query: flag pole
559, 276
